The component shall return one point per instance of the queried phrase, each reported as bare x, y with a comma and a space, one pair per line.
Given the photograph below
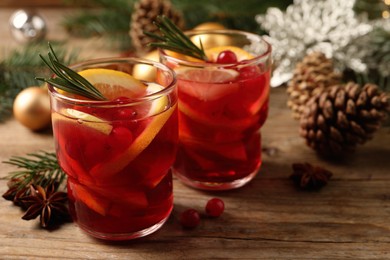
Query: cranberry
124, 113
226, 57
120, 137
190, 218
249, 72
215, 207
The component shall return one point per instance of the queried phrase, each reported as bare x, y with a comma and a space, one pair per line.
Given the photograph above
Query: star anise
15, 191
46, 203
309, 177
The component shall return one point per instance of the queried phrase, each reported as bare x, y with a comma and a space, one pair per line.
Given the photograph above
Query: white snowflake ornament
307, 26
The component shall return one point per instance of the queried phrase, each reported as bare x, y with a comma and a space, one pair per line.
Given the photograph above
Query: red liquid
219, 127
108, 192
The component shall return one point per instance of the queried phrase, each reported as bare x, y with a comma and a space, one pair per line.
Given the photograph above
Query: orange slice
212, 53
89, 198
101, 199
113, 84
83, 118
218, 121
160, 117
197, 82
206, 75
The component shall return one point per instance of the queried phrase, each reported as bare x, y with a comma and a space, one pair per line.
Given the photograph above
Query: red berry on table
215, 207
190, 218
226, 57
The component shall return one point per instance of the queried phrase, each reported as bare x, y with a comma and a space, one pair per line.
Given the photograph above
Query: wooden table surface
267, 219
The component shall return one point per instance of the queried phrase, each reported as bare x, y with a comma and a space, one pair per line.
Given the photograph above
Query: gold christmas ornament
146, 72
210, 40
209, 26
32, 108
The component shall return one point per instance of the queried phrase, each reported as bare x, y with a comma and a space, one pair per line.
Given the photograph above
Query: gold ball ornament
209, 26
146, 72
209, 40
32, 108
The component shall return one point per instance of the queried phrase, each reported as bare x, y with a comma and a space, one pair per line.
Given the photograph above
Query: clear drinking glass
222, 106
117, 154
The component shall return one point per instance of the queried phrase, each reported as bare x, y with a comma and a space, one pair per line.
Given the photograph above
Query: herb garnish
67, 79
172, 38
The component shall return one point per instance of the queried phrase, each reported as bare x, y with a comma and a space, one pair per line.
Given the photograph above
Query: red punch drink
117, 153
222, 105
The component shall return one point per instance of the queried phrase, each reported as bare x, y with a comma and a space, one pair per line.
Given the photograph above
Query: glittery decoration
368, 52
310, 25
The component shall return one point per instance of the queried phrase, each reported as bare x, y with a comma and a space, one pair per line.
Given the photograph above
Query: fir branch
67, 79
39, 168
109, 19
172, 38
18, 70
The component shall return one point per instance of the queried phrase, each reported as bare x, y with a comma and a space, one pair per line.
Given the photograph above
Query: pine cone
144, 13
342, 116
311, 76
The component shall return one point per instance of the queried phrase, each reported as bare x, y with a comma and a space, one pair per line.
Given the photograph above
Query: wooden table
267, 219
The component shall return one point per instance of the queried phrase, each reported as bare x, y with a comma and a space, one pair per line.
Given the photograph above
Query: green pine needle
39, 168
67, 79
172, 38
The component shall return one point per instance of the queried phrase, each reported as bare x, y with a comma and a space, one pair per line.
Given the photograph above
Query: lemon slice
158, 104
113, 84
159, 118
91, 199
207, 84
212, 53
83, 118
217, 120
206, 75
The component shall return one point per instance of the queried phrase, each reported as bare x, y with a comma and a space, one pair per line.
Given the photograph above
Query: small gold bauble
146, 72
32, 108
209, 40
209, 26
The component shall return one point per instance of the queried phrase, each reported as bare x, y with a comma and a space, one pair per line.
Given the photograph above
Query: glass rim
131, 101
254, 60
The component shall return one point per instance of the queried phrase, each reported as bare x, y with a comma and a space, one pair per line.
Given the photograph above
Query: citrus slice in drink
85, 119
217, 121
207, 75
89, 198
207, 84
212, 53
158, 116
113, 84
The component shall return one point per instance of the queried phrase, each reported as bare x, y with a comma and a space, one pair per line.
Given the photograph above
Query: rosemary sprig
39, 168
172, 38
67, 79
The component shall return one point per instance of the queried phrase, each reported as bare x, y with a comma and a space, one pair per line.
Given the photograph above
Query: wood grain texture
267, 219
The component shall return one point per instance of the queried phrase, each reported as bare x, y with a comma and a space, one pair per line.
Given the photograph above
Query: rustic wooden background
267, 219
